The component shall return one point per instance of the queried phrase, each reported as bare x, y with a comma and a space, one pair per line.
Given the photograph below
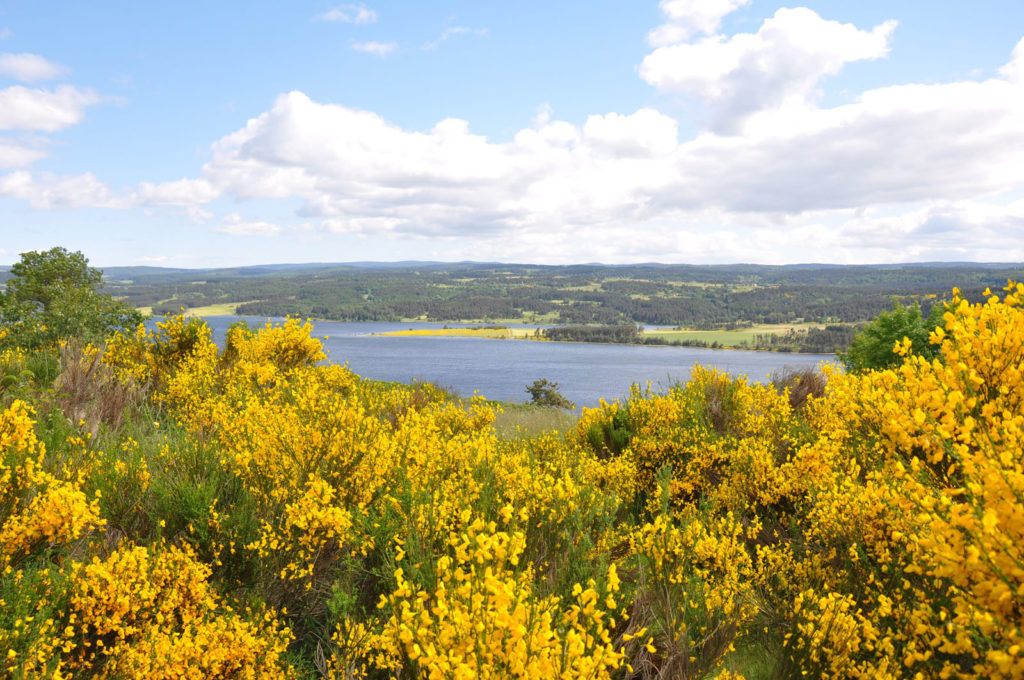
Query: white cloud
17, 156
452, 31
236, 225
644, 133
361, 225
28, 68
938, 230
45, 191
690, 17
779, 65
621, 184
1014, 70
23, 108
198, 215
350, 14
5, 33
376, 48
183, 192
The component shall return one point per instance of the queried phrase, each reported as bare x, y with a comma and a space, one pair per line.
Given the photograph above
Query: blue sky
213, 134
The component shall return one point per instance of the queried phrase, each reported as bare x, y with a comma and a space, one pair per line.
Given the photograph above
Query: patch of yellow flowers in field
284, 518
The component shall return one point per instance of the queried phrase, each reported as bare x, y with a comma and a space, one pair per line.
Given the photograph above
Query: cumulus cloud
938, 230
452, 31
380, 49
781, 64
29, 68
1014, 70
350, 14
183, 192
45, 191
236, 225
23, 108
642, 134
687, 18
13, 155
358, 173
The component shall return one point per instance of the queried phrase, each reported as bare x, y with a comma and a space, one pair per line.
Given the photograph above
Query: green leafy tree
54, 295
872, 347
544, 393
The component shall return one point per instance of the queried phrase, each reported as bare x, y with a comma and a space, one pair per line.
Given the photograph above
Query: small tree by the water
545, 393
54, 295
872, 347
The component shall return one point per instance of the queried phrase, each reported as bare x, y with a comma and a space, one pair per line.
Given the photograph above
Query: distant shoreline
524, 334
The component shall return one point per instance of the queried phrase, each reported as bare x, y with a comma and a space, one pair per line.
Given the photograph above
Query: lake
501, 369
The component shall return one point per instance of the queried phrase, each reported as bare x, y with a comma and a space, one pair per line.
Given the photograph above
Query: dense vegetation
619, 333
168, 509
54, 294
707, 297
827, 340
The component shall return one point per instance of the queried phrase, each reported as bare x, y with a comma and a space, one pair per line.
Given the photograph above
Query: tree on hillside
544, 393
872, 347
54, 295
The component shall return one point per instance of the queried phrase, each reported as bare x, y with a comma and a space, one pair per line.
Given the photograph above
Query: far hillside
708, 297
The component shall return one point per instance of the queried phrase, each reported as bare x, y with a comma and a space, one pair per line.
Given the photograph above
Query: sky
207, 134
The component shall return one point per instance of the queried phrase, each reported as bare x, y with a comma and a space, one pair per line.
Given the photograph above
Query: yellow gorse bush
148, 613
59, 514
36, 508
483, 620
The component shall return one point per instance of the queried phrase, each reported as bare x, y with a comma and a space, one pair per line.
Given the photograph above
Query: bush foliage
55, 295
545, 393
871, 347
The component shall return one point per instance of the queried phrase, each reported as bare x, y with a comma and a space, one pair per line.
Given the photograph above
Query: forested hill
701, 296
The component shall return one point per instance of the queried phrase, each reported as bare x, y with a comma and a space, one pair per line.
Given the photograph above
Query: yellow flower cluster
483, 620
59, 514
698, 579
152, 614
313, 529
37, 510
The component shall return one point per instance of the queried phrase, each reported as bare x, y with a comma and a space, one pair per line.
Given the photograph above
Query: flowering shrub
482, 618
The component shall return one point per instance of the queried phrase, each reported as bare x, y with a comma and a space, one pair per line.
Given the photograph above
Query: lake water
501, 369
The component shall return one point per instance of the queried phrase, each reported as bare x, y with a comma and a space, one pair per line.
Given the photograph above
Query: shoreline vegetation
795, 338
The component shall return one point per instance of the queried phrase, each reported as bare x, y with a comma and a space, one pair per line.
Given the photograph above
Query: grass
728, 338
753, 660
519, 421
218, 309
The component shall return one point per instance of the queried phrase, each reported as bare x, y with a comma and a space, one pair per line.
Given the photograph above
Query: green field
219, 309
728, 338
